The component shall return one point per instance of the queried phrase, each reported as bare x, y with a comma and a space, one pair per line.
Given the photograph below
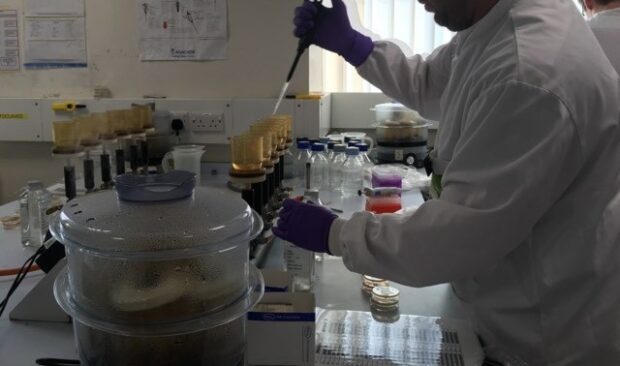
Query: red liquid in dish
381, 205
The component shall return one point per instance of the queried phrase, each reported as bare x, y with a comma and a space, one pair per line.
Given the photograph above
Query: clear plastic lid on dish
207, 220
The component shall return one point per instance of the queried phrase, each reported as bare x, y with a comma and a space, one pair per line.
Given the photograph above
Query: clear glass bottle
299, 263
364, 155
38, 201
352, 172
335, 166
319, 170
303, 156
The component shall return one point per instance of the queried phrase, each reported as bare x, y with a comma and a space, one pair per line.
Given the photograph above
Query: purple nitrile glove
334, 33
305, 225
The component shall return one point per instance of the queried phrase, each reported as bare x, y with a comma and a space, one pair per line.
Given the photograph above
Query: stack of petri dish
385, 299
369, 283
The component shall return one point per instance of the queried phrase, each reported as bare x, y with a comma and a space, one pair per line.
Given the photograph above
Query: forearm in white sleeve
512, 163
416, 82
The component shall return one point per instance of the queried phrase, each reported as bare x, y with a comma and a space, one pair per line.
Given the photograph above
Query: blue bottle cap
362, 147
352, 151
303, 145
318, 147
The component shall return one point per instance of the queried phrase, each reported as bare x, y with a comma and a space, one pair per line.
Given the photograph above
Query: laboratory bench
335, 288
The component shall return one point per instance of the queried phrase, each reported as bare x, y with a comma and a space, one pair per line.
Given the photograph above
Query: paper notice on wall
177, 30
55, 42
9, 41
54, 8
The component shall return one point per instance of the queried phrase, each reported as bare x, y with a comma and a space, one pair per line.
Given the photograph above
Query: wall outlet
206, 122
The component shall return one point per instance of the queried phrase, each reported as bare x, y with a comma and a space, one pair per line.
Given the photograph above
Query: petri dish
369, 283
385, 299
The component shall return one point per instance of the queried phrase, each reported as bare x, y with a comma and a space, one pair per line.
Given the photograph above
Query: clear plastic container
66, 137
352, 173
119, 122
335, 167
364, 155
247, 152
33, 214
161, 281
106, 129
330, 150
319, 171
88, 130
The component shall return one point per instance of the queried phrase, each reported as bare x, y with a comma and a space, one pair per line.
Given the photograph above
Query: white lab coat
606, 27
527, 227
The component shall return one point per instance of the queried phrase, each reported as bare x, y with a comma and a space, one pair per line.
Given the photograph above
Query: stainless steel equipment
158, 272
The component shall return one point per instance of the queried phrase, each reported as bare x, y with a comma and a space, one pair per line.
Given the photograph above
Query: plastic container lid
208, 220
389, 107
318, 147
352, 151
303, 144
340, 148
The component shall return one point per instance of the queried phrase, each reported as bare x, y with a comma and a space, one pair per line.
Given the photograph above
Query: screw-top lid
303, 144
352, 151
106, 224
318, 147
340, 148
299, 139
354, 142
363, 147
330, 145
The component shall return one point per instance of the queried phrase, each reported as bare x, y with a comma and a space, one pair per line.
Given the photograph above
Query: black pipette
302, 46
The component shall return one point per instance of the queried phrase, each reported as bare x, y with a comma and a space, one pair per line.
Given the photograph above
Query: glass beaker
88, 130
184, 157
247, 152
65, 136
106, 129
119, 123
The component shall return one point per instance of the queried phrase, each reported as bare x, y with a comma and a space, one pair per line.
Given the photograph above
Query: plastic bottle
352, 172
37, 202
319, 171
303, 156
364, 154
335, 166
300, 263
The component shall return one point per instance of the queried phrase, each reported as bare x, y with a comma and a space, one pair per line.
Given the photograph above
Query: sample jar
106, 129
65, 136
88, 130
119, 122
247, 152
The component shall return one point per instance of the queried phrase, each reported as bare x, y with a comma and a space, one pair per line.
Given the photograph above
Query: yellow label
13, 116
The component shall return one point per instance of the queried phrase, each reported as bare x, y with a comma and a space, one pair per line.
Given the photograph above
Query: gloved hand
305, 225
334, 33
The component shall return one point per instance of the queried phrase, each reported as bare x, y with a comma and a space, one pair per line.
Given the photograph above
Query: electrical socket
206, 122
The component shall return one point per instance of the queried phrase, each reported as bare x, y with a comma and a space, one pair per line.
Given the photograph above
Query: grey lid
209, 220
340, 148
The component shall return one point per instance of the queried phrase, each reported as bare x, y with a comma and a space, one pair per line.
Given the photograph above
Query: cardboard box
277, 281
281, 330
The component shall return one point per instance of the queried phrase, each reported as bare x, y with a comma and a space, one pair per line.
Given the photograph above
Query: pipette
303, 44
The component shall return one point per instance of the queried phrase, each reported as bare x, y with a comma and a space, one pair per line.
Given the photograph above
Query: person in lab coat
604, 20
527, 223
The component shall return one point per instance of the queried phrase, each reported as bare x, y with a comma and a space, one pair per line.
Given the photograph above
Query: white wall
261, 49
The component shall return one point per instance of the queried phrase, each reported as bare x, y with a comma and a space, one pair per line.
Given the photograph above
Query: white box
277, 281
281, 330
